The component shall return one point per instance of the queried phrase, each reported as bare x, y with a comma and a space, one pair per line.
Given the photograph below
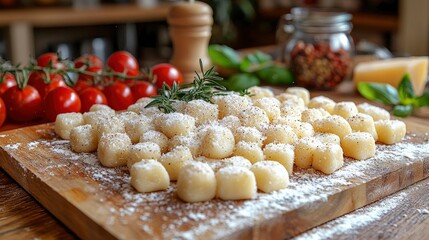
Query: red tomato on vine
123, 62
90, 96
50, 60
119, 96
166, 73
143, 89
22, 105
60, 100
88, 60
8, 82
37, 80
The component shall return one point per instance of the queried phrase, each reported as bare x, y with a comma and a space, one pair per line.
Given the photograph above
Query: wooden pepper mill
190, 26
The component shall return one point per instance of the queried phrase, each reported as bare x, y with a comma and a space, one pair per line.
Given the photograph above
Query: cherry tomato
2, 112
90, 96
81, 85
123, 62
9, 81
87, 77
60, 100
88, 60
37, 80
49, 60
143, 89
166, 73
119, 96
22, 105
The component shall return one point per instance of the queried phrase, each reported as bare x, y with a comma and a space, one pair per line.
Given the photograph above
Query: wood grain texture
97, 209
23, 218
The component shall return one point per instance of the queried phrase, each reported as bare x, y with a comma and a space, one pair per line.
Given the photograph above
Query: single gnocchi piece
248, 134
149, 175
304, 150
328, 158
358, 145
375, 112
270, 176
203, 112
137, 126
110, 125
278, 133
113, 149
270, 105
102, 107
137, 107
232, 104
232, 122
322, 102
390, 131
363, 123
235, 183
249, 150
333, 124
312, 114
302, 129
174, 160
93, 118
191, 141
156, 137
83, 139
196, 182
127, 116
345, 109
260, 92
291, 112
282, 153
254, 117
65, 122
173, 124
218, 142
303, 93
328, 138
145, 150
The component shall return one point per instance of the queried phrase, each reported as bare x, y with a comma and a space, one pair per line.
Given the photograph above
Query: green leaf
402, 110
241, 81
224, 56
255, 61
406, 90
276, 75
422, 100
379, 92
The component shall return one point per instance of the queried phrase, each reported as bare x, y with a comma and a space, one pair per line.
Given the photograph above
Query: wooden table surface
403, 215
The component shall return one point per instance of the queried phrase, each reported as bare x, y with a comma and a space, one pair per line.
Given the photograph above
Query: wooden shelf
22, 22
374, 21
68, 16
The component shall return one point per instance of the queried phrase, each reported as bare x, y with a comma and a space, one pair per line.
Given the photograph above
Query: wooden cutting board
98, 203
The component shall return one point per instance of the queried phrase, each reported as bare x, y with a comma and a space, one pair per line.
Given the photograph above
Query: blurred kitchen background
73, 27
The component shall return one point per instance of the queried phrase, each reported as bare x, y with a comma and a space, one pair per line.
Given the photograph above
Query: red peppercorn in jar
320, 50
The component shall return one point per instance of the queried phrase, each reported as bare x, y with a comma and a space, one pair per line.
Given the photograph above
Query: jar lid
319, 20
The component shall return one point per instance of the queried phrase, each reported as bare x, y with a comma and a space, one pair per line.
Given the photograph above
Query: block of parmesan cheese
392, 70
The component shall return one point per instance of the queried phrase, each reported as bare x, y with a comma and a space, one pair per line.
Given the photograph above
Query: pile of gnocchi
230, 148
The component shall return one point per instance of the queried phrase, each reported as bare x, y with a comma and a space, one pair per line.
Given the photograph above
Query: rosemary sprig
205, 86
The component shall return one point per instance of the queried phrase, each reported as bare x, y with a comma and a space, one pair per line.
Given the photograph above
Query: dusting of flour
163, 214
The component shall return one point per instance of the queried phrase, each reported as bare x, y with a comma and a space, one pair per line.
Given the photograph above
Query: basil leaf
241, 81
276, 75
379, 92
254, 61
406, 90
422, 100
402, 110
224, 56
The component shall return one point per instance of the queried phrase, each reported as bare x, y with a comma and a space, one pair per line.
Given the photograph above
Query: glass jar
319, 51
